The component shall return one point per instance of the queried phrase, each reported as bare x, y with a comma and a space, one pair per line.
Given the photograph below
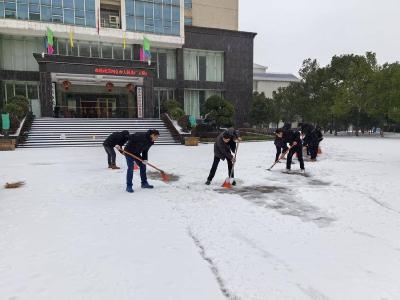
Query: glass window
175, 14
157, 11
72, 51
84, 49
62, 47
95, 52
10, 14
118, 52
22, 11
167, 12
69, 4
57, 3
176, 28
34, 1
10, 90
1, 9
106, 51
148, 10
34, 16
33, 8
33, 92
90, 18
90, 4
139, 24
139, 9
46, 13
45, 2
20, 89
129, 7
79, 13
10, 6
57, 19
188, 21
56, 11
158, 27
130, 23
69, 16
128, 53
80, 21
79, 4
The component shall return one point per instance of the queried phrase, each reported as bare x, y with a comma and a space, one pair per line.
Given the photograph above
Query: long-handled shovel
164, 176
282, 156
227, 183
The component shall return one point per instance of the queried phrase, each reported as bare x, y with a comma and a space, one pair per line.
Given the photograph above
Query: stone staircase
63, 132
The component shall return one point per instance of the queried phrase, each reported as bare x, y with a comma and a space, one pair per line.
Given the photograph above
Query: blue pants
129, 173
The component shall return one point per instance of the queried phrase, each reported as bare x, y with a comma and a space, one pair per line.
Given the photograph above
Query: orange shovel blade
165, 176
227, 184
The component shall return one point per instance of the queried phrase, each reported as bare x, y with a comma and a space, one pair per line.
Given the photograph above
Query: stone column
148, 97
46, 98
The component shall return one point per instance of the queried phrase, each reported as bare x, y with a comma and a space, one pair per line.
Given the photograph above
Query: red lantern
130, 87
66, 85
109, 86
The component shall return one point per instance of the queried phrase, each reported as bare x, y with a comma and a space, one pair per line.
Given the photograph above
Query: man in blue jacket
139, 145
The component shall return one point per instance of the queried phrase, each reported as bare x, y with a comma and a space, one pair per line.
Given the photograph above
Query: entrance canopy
87, 79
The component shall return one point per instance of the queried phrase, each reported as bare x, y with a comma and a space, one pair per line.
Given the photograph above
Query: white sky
290, 31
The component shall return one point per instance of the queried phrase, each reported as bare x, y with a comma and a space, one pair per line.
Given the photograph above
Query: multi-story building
96, 71
269, 82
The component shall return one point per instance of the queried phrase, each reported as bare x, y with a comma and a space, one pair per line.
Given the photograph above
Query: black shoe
146, 185
208, 182
234, 182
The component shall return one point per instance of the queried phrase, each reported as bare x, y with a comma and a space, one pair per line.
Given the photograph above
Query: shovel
164, 176
227, 183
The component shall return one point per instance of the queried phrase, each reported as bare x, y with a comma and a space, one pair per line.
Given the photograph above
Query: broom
282, 156
164, 176
227, 183
14, 185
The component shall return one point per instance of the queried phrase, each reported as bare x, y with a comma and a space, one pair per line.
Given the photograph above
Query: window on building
118, 52
106, 51
194, 101
162, 95
188, 4
30, 90
161, 17
188, 21
84, 49
203, 65
78, 12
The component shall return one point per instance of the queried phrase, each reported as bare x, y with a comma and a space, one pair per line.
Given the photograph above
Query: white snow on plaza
72, 232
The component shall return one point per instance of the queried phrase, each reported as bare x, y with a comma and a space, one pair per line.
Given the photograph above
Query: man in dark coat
139, 145
222, 150
279, 143
294, 140
115, 139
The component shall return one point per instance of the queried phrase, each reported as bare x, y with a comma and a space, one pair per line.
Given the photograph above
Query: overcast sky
291, 30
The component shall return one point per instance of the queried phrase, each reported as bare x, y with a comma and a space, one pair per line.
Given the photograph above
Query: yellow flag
124, 40
71, 39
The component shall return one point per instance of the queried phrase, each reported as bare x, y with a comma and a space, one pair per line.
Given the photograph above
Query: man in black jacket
222, 150
115, 139
294, 140
139, 145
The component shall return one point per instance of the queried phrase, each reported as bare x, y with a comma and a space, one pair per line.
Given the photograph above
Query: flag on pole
124, 40
145, 54
71, 38
50, 41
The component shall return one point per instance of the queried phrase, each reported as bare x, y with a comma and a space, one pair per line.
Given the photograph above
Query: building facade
268, 82
96, 70
223, 14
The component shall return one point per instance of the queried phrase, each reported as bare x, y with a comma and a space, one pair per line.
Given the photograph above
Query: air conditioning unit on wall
114, 21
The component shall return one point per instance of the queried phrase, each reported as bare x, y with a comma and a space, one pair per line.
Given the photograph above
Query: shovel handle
141, 160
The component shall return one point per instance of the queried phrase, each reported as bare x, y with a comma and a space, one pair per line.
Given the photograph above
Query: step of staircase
63, 132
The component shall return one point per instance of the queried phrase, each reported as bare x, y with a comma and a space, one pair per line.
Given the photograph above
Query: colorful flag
124, 40
71, 38
145, 54
50, 41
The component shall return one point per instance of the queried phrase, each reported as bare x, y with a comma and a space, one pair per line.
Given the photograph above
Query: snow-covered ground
72, 232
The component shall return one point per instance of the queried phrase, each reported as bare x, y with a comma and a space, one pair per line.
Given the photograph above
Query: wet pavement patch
282, 200
157, 176
318, 182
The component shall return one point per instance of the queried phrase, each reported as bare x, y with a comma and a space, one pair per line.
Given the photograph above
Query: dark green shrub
219, 111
